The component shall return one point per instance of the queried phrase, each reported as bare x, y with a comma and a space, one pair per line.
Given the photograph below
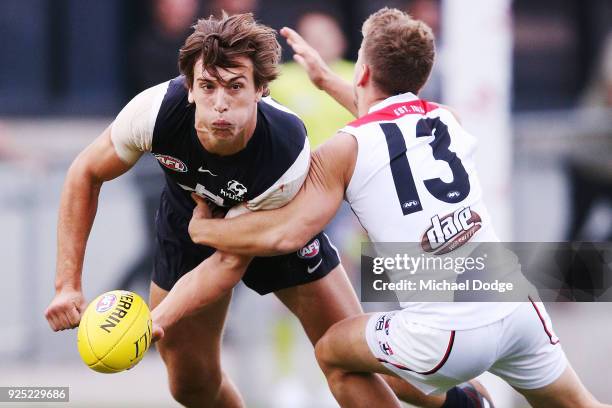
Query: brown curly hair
219, 42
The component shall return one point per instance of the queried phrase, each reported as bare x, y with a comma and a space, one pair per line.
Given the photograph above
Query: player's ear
190, 95
262, 92
363, 74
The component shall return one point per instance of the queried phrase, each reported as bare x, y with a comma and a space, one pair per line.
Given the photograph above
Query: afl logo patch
106, 303
171, 163
310, 250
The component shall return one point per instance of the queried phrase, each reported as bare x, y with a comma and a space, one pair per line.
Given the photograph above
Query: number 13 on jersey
452, 192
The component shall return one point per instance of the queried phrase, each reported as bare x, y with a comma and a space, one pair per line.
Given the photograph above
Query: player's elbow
81, 172
231, 268
231, 262
290, 241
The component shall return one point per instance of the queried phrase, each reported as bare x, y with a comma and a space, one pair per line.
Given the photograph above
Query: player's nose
221, 103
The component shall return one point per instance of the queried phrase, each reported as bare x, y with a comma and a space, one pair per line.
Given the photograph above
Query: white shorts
521, 348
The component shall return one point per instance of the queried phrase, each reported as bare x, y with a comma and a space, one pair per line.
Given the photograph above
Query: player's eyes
236, 86
206, 85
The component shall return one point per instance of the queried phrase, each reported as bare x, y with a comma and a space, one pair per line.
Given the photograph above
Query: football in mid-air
115, 331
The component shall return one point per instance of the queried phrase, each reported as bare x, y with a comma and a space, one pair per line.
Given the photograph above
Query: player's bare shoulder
336, 157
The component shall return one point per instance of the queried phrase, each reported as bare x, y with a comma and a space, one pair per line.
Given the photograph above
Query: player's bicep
324, 187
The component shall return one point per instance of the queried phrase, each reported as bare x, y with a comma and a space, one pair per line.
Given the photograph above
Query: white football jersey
415, 182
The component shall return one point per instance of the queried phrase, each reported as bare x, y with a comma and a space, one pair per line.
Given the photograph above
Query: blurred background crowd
68, 66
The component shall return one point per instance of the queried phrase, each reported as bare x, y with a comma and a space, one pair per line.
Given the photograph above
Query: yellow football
115, 332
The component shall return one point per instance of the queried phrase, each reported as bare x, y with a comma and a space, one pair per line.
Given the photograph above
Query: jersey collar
405, 97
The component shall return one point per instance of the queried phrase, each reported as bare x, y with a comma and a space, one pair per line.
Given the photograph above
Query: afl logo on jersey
106, 303
453, 194
410, 204
310, 250
171, 163
451, 231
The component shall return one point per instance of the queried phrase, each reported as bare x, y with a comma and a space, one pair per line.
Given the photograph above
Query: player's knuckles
50, 322
56, 318
64, 323
58, 308
55, 324
60, 311
74, 318
51, 312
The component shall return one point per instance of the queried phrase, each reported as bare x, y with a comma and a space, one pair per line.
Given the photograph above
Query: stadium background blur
68, 66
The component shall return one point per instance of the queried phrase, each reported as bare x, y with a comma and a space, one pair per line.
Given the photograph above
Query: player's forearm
78, 206
256, 234
205, 284
339, 89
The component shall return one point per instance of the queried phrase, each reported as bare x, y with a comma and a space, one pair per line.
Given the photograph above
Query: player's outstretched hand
307, 57
66, 309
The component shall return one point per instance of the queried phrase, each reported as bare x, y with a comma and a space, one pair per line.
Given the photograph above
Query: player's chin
224, 133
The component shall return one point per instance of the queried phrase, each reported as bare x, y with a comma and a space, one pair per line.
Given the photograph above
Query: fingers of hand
290, 34
201, 212
50, 316
287, 32
62, 317
295, 41
198, 200
300, 60
73, 316
54, 317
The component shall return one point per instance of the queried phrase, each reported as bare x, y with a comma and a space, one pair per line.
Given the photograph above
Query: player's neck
369, 101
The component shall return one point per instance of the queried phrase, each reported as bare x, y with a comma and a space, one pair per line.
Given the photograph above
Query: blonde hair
399, 49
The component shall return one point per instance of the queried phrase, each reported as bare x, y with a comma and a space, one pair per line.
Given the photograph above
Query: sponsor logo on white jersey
310, 250
235, 190
171, 163
451, 231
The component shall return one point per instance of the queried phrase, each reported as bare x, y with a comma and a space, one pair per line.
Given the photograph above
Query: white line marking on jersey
203, 170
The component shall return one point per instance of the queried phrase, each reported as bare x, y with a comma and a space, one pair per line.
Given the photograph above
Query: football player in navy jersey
217, 136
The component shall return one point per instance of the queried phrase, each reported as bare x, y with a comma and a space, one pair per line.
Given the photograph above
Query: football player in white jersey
404, 164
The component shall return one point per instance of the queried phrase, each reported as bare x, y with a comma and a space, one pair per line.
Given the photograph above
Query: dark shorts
176, 254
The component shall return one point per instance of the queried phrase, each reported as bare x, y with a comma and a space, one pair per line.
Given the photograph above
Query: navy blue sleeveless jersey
278, 140
248, 176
